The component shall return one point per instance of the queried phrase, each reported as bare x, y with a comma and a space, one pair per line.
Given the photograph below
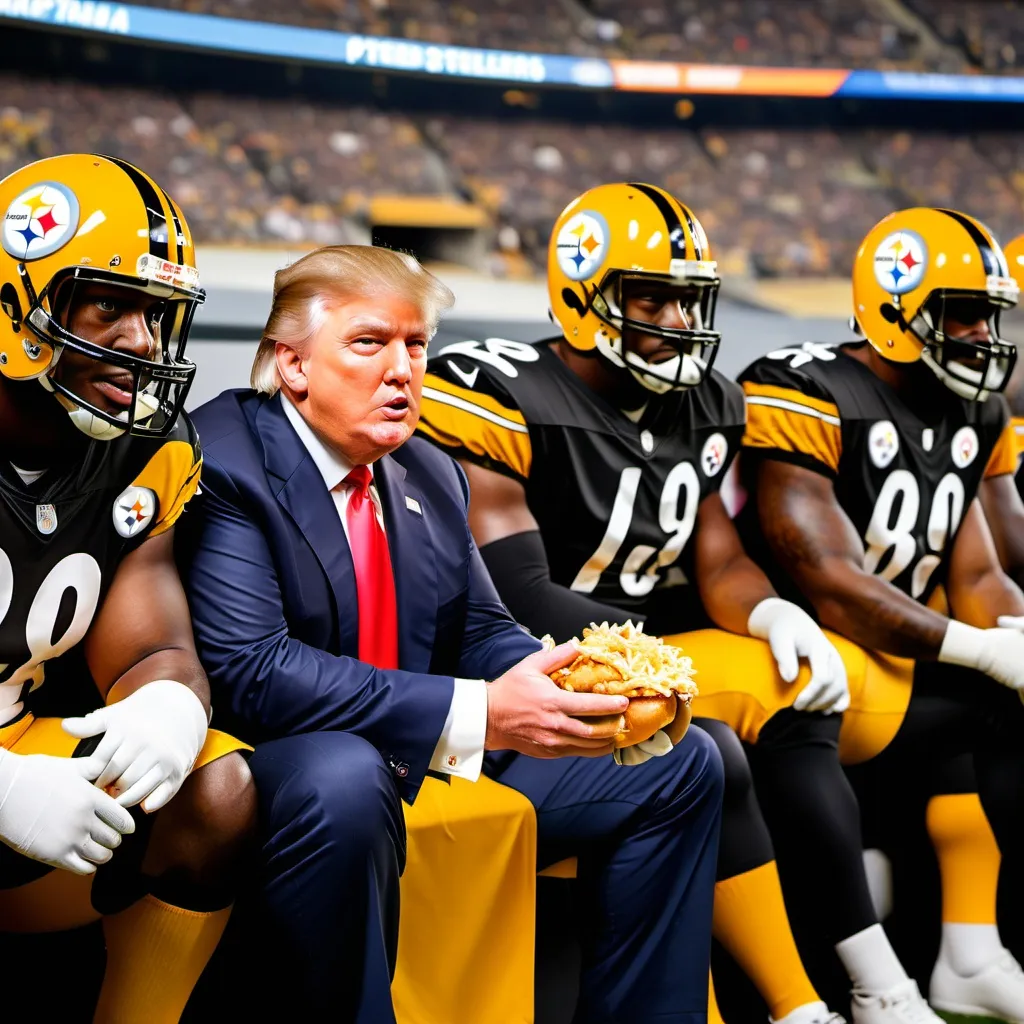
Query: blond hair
306, 291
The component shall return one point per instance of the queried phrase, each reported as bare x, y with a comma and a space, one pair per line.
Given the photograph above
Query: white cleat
993, 994
900, 1005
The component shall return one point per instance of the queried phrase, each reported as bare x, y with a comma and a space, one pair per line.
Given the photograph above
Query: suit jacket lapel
413, 563
301, 491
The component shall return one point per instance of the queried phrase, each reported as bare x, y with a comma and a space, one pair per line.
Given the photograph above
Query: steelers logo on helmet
133, 511
582, 244
40, 220
900, 262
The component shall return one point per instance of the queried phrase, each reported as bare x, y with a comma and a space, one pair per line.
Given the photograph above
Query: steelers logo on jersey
40, 221
883, 443
900, 262
582, 244
964, 447
712, 456
133, 511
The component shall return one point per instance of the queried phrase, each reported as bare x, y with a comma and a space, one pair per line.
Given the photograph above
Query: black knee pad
119, 883
788, 729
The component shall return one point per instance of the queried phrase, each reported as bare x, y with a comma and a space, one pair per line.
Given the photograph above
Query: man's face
968, 320
661, 304
119, 319
362, 376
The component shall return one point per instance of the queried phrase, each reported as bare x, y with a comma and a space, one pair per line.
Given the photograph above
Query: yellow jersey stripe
1004, 455
770, 425
752, 390
454, 427
517, 426
173, 474
794, 407
1017, 423
477, 398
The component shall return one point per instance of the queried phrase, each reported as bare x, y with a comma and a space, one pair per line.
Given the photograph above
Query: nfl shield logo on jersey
46, 518
133, 511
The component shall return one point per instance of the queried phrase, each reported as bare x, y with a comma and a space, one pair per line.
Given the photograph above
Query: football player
595, 461
103, 704
863, 462
1004, 513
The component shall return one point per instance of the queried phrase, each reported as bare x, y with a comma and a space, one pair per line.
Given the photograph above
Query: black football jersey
616, 500
63, 537
904, 482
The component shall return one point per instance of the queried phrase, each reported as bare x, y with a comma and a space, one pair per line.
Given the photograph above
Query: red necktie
375, 582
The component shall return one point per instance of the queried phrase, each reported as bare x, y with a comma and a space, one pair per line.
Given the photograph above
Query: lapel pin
413, 505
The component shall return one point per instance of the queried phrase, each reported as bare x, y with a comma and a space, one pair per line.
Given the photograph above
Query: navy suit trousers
646, 839
333, 849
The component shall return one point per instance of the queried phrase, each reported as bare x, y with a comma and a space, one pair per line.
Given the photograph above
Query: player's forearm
871, 612
178, 663
1004, 514
733, 591
1010, 543
981, 600
518, 566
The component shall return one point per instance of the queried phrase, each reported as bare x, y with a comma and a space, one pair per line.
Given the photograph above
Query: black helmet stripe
158, 232
179, 235
991, 261
672, 225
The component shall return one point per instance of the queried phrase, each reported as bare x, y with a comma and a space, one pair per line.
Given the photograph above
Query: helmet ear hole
889, 313
573, 301
11, 304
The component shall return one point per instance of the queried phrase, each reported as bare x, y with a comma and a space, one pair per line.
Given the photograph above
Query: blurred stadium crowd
987, 34
779, 202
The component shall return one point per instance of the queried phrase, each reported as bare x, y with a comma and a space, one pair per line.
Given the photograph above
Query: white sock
806, 1014
969, 948
870, 960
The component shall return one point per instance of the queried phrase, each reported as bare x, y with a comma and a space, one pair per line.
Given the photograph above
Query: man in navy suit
350, 631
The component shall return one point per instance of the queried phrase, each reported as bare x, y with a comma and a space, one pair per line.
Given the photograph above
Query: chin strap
658, 378
94, 426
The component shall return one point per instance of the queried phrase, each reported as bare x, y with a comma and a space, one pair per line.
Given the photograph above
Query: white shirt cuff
460, 750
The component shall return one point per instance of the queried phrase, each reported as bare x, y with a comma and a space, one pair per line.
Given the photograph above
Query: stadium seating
843, 33
778, 202
991, 33
835, 33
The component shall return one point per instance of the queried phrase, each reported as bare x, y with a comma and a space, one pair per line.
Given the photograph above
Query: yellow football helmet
616, 234
77, 219
1012, 321
915, 267
1014, 253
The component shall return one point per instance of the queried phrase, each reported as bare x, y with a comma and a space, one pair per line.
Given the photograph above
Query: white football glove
657, 746
50, 811
150, 741
1011, 622
792, 634
999, 652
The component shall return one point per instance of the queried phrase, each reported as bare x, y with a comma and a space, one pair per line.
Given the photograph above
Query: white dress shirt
460, 750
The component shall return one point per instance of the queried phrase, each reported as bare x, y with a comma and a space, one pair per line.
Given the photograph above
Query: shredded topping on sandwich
645, 665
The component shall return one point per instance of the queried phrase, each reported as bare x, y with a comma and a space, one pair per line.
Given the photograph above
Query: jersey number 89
883, 535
